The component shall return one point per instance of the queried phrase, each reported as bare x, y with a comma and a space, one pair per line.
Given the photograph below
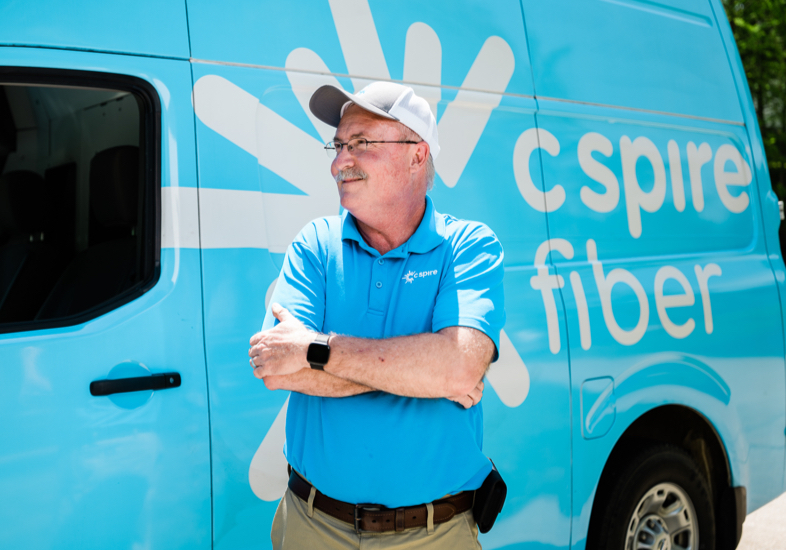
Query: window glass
75, 206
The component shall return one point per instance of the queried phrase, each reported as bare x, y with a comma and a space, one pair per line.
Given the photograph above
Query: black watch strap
319, 351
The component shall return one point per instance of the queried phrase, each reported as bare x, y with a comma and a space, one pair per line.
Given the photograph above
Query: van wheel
659, 502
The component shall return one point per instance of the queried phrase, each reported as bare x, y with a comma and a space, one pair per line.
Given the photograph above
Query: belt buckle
369, 507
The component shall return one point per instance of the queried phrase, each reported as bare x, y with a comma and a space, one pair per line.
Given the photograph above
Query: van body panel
263, 174
595, 52
537, 510
89, 472
769, 201
413, 44
103, 472
622, 286
239, 268
609, 163
150, 27
685, 223
544, 175
734, 385
682, 272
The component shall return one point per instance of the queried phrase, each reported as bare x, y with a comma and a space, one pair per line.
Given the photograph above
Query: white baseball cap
386, 99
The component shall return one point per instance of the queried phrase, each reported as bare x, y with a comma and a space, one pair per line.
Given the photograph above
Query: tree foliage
759, 28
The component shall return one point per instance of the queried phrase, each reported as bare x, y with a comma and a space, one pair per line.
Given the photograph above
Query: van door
669, 294
99, 294
264, 175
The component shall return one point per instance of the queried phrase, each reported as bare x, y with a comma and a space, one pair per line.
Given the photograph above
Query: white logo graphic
297, 157
412, 275
231, 218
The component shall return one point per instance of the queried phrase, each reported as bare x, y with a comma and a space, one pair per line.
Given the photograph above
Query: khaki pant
295, 527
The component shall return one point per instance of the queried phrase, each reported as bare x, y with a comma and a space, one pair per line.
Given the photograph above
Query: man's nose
343, 160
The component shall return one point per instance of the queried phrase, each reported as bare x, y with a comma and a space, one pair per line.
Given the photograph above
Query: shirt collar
427, 236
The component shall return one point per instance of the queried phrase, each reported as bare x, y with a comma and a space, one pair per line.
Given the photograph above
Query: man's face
373, 182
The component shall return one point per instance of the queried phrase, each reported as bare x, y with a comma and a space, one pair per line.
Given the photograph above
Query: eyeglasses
355, 146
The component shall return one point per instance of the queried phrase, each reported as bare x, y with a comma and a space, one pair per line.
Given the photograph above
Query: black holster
489, 499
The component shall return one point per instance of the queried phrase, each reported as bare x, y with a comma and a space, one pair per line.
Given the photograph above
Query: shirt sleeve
471, 292
300, 287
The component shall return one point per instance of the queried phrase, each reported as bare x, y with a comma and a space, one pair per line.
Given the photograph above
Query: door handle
138, 383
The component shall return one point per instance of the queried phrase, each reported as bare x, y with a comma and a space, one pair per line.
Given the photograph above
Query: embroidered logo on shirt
412, 275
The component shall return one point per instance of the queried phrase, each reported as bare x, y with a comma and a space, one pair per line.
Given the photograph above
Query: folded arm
447, 363
314, 382
450, 363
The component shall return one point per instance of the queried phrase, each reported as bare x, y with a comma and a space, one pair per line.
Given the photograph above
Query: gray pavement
765, 529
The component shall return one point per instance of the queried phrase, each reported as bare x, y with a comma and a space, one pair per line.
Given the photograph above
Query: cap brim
327, 101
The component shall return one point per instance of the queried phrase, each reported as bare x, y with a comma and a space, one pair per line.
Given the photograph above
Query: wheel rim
663, 519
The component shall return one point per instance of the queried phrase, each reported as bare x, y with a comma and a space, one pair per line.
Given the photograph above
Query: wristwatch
319, 352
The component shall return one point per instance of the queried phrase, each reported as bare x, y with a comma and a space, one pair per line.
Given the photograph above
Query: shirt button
380, 261
379, 284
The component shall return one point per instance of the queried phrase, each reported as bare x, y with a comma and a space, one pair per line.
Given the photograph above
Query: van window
77, 197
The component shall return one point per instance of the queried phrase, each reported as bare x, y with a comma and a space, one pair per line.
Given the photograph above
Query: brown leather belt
375, 518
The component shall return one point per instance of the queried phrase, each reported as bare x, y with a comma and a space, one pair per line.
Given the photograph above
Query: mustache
350, 174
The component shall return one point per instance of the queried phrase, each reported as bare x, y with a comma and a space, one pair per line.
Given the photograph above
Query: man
391, 315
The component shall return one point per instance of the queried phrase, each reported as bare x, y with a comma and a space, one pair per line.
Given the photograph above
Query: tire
659, 501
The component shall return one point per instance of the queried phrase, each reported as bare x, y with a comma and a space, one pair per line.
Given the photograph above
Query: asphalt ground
765, 529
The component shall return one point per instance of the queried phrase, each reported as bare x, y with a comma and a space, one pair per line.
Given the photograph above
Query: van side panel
374, 43
665, 56
147, 27
671, 292
675, 315
769, 201
601, 210
263, 176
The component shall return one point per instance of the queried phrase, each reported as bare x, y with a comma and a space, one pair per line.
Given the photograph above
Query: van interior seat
108, 266
27, 264
114, 192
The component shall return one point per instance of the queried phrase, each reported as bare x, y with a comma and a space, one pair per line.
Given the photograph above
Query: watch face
318, 353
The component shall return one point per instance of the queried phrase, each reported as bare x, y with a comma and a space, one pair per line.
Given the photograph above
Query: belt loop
311, 496
430, 520
400, 513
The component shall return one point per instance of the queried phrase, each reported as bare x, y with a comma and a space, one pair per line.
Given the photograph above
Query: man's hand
281, 349
471, 399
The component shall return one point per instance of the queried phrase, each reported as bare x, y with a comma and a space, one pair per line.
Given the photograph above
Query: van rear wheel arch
685, 430
660, 500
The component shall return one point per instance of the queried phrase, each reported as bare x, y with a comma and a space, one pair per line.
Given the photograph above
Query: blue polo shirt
377, 447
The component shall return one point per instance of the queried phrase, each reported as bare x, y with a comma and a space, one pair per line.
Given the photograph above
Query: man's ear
420, 157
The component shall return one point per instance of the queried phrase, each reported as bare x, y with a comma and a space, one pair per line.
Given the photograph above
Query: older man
384, 321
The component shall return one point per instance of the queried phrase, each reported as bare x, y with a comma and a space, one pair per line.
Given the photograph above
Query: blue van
156, 161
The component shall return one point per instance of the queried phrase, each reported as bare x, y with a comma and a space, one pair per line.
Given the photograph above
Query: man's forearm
315, 382
322, 384
444, 364
449, 363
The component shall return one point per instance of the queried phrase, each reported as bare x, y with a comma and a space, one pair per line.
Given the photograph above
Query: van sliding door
264, 175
